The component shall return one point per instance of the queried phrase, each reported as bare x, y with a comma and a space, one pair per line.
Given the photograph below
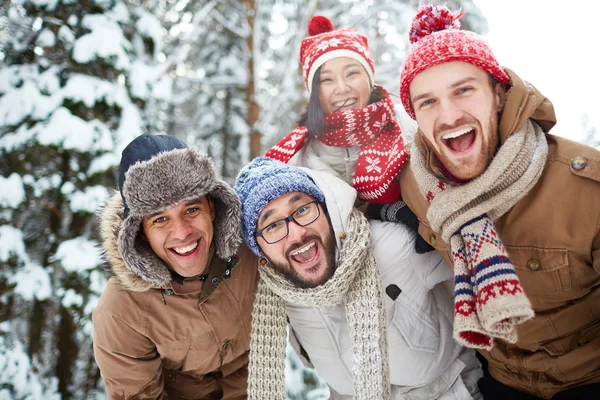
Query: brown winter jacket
553, 239
187, 341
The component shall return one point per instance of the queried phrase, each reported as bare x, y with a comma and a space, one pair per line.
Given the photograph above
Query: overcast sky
555, 46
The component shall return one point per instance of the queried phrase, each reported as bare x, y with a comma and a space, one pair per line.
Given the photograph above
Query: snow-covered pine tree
71, 85
205, 56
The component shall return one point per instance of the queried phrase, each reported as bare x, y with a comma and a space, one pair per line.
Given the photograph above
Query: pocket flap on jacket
523, 257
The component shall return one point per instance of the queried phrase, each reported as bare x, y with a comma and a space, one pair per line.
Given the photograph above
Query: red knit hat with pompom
325, 43
437, 38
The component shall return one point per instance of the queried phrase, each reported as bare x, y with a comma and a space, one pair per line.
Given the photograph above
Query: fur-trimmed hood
111, 220
153, 184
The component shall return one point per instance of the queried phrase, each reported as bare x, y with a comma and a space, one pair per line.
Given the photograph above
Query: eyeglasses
304, 215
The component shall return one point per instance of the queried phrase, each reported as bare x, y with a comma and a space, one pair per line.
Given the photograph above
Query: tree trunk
253, 108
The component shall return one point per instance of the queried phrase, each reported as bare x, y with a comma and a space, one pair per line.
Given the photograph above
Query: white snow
13, 75
12, 193
129, 128
149, 26
70, 298
163, 89
42, 184
18, 104
66, 36
11, 243
16, 369
10, 141
67, 188
91, 304
141, 80
90, 90
117, 13
78, 254
73, 20
49, 5
97, 281
89, 200
71, 132
105, 41
46, 38
32, 282
48, 82
103, 163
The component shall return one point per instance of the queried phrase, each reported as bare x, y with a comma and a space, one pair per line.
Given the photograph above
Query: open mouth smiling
305, 254
349, 102
185, 250
460, 141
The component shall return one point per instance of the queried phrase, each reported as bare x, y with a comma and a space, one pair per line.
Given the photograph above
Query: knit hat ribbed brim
324, 43
437, 38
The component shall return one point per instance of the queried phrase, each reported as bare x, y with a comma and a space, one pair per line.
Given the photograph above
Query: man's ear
501, 95
142, 233
211, 207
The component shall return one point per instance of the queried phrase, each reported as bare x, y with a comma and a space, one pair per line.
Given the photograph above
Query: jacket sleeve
129, 362
596, 248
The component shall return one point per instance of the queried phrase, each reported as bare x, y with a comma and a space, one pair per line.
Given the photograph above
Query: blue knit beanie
262, 181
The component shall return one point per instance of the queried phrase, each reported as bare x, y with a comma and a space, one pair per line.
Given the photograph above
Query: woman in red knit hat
350, 128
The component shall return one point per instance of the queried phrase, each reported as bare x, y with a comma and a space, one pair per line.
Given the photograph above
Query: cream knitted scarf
356, 279
488, 298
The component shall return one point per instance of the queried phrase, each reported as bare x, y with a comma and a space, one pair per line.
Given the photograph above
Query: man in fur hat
174, 319
365, 310
513, 209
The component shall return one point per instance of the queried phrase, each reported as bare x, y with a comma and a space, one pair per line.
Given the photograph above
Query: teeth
456, 134
182, 250
346, 102
305, 248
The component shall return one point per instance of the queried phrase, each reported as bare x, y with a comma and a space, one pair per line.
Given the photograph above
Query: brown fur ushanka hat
158, 172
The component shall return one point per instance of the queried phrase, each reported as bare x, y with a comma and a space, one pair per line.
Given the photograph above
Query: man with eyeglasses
363, 308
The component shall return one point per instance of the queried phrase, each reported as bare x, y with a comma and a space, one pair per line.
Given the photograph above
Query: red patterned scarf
375, 130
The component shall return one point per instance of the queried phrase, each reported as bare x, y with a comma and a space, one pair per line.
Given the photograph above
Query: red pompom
431, 19
319, 24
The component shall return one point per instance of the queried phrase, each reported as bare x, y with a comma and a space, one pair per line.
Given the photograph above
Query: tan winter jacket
553, 239
187, 341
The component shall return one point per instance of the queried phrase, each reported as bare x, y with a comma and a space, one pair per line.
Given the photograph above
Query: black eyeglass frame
287, 221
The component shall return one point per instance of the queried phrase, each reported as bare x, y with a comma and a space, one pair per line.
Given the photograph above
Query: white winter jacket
425, 362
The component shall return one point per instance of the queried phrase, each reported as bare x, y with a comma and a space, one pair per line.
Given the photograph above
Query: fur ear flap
139, 256
227, 223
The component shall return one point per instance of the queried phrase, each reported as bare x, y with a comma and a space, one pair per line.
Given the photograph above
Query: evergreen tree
69, 103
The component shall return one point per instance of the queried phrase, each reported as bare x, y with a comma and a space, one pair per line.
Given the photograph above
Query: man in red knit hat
513, 209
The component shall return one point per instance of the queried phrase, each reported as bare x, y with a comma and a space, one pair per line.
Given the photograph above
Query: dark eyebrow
452, 86
294, 199
345, 67
187, 204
